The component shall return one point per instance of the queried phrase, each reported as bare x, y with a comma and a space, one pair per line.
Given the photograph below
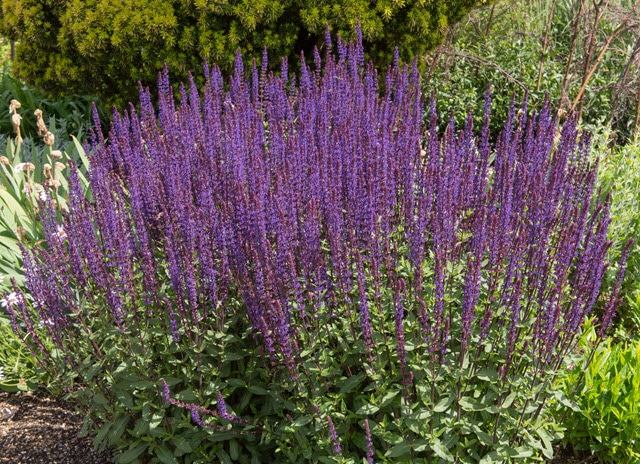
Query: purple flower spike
369, 440
335, 441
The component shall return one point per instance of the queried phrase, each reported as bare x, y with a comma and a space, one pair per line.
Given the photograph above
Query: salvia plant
283, 269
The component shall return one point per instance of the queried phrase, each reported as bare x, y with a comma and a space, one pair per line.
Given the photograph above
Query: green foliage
103, 48
463, 412
20, 191
607, 393
619, 177
71, 113
503, 44
20, 371
23, 186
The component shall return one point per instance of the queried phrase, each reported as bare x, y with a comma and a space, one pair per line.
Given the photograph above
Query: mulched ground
36, 429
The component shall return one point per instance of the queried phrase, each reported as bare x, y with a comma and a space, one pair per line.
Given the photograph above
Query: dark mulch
37, 429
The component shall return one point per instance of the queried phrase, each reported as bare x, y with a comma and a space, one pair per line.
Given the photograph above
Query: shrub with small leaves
619, 176
605, 385
283, 260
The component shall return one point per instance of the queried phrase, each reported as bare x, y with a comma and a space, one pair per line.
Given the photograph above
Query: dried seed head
47, 170
14, 105
56, 154
28, 167
21, 232
49, 139
59, 166
42, 128
5, 160
53, 183
15, 119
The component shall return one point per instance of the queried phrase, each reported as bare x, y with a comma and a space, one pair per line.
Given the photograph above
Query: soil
37, 429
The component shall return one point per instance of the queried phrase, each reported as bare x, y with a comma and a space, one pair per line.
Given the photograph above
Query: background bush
619, 176
103, 47
605, 384
508, 45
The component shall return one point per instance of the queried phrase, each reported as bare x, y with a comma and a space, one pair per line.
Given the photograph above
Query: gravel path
35, 429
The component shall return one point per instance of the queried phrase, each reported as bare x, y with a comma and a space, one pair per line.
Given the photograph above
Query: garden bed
37, 429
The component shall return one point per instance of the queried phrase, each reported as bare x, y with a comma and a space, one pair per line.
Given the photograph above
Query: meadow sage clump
287, 270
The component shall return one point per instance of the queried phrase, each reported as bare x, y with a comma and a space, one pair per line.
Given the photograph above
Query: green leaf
547, 450
234, 450
165, 455
351, 382
258, 390
367, 410
104, 430
399, 450
508, 401
182, 445
443, 404
119, 426
301, 421
132, 453
441, 451
388, 398
487, 375
468, 404
224, 457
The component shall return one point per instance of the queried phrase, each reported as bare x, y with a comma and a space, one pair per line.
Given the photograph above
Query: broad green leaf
132, 453
508, 401
441, 451
351, 382
399, 450
367, 410
443, 404
119, 426
165, 455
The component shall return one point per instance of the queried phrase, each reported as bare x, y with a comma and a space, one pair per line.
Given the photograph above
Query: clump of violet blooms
401, 287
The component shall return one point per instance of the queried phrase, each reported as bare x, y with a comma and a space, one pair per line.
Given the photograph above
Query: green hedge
100, 47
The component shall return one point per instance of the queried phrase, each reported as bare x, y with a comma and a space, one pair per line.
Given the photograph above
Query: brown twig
636, 121
572, 47
489, 64
599, 10
488, 28
617, 31
545, 43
